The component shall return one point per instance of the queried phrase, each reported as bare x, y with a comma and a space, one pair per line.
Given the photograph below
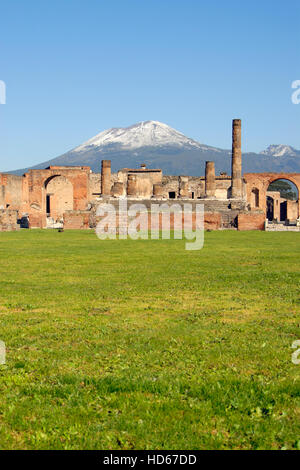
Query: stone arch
262, 181
59, 196
282, 209
282, 176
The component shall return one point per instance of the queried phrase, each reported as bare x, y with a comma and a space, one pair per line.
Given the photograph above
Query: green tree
287, 190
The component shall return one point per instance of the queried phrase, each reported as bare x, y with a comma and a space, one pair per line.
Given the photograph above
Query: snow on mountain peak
142, 134
279, 150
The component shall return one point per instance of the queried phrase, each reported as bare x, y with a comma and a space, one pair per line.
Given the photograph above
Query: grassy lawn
143, 345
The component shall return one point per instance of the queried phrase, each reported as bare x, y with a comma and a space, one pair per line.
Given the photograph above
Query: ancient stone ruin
61, 196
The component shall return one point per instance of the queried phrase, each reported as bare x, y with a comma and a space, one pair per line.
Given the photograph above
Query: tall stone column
105, 177
210, 180
236, 166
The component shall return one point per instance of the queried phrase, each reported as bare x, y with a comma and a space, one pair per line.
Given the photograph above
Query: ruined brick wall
36, 220
259, 183
38, 183
78, 220
216, 217
155, 175
139, 183
251, 221
8, 220
170, 184
61, 196
143, 186
196, 186
74, 189
223, 187
94, 186
87, 219
212, 220
11, 191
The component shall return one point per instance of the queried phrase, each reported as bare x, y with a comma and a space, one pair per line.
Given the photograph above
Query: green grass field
143, 345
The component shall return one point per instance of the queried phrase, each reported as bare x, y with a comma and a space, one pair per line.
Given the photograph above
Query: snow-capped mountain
280, 151
160, 146
142, 134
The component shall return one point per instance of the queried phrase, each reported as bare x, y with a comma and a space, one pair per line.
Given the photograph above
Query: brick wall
36, 220
77, 220
212, 221
251, 221
8, 220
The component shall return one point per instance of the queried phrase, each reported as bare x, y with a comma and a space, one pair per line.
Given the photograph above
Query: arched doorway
255, 198
59, 197
282, 201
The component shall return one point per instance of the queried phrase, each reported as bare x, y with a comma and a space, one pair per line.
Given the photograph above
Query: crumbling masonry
68, 196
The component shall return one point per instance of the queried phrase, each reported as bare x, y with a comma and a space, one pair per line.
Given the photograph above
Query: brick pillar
236, 167
210, 180
105, 177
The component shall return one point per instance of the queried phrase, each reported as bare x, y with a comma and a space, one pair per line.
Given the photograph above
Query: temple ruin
62, 196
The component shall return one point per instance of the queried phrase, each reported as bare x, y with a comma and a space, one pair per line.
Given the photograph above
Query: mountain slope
281, 151
143, 134
160, 146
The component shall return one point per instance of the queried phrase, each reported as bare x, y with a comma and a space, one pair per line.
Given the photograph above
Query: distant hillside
160, 146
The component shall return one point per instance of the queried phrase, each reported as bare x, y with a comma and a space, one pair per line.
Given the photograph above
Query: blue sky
75, 68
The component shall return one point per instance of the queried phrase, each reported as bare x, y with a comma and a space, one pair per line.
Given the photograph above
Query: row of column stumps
210, 175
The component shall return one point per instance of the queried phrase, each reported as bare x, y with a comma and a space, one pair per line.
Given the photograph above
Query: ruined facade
68, 196
257, 185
